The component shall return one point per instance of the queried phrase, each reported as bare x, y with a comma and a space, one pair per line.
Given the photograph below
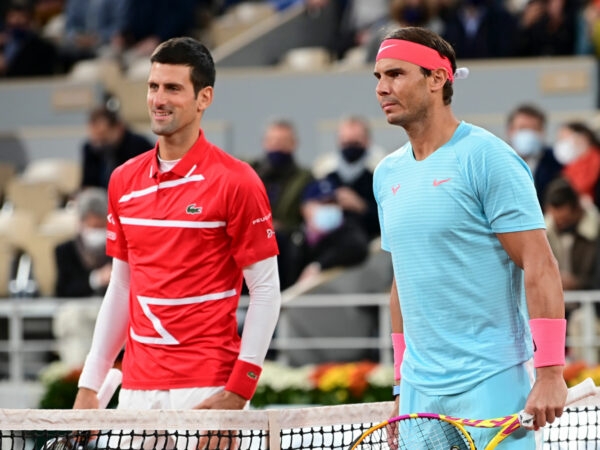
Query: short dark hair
432, 40
560, 193
190, 52
529, 110
103, 113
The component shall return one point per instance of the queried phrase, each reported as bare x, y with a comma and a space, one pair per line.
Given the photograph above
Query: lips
160, 115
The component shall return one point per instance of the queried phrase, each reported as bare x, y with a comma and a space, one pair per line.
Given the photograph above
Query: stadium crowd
47, 37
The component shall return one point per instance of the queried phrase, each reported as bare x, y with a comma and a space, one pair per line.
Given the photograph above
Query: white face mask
527, 143
327, 218
566, 151
94, 238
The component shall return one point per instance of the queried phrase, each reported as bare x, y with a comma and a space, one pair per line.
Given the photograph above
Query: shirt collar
188, 163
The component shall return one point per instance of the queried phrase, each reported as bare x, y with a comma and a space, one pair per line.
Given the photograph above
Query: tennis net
327, 427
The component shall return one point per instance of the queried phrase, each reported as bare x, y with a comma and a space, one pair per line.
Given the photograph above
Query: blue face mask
279, 159
327, 218
527, 143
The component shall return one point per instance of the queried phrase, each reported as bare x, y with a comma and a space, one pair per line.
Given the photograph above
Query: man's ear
438, 79
204, 98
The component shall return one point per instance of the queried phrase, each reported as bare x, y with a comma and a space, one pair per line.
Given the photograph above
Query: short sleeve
249, 223
506, 189
116, 243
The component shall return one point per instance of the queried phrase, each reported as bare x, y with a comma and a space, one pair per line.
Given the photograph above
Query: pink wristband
243, 379
399, 345
548, 341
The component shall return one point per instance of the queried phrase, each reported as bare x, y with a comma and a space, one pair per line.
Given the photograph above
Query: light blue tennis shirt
462, 298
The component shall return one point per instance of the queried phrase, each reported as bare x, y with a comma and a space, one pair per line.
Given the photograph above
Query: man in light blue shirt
474, 276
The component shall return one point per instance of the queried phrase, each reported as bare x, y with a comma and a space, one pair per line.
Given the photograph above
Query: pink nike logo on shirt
437, 183
395, 189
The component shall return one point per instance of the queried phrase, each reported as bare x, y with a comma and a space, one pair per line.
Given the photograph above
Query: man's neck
428, 135
171, 148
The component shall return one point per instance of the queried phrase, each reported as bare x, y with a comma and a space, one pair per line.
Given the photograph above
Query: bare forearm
395, 312
543, 290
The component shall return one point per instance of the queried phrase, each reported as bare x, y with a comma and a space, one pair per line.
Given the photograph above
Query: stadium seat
6, 255
7, 171
104, 70
64, 174
38, 198
238, 19
41, 250
306, 58
62, 223
17, 226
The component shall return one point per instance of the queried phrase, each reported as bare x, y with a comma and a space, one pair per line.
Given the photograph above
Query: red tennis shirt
186, 234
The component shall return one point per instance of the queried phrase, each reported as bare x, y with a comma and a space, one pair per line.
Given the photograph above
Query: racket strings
416, 434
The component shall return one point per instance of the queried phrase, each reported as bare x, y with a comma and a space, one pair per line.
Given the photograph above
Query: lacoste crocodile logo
193, 209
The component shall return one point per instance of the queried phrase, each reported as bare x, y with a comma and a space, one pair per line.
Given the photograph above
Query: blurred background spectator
82, 263
526, 132
573, 228
480, 29
149, 22
109, 144
403, 13
547, 28
328, 238
354, 21
352, 178
577, 148
285, 181
23, 52
90, 26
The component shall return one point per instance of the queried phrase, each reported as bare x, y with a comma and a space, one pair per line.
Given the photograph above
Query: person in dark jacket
353, 179
285, 181
328, 237
110, 143
23, 52
83, 268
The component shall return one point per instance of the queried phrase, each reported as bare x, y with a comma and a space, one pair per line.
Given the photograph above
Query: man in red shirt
187, 222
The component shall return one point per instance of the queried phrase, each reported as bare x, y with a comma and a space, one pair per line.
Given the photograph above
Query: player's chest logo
193, 209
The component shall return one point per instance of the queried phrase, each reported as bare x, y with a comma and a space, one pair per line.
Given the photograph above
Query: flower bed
324, 384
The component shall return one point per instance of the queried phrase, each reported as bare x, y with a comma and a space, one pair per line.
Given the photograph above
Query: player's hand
547, 398
86, 399
223, 400
392, 429
221, 440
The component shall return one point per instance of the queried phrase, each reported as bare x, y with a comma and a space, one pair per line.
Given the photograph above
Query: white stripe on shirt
170, 223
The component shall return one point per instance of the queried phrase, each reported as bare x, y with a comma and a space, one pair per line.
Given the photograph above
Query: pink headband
414, 53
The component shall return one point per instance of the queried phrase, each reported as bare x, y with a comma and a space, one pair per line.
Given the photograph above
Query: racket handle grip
586, 388
109, 386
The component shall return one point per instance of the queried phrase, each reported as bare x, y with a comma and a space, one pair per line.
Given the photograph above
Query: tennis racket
440, 432
79, 440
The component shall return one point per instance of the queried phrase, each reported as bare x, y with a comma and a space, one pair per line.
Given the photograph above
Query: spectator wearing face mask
328, 238
352, 177
83, 268
526, 129
109, 144
577, 148
285, 181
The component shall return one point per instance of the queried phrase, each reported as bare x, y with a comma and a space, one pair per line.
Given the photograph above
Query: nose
156, 97
382, 87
